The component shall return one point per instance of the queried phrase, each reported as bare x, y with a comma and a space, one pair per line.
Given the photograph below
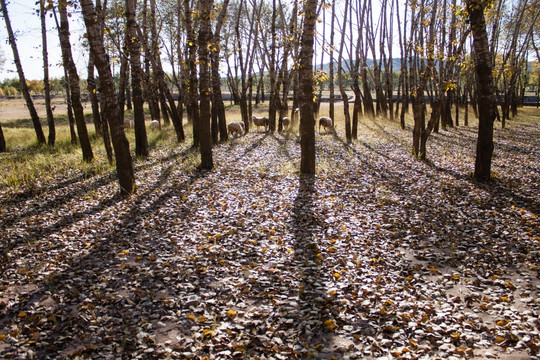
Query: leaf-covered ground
379, 255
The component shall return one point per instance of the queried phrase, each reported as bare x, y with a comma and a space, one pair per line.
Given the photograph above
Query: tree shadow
55, 205
81, 306
315, 314
284, 142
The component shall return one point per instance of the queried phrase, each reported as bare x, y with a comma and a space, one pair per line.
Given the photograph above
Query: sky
26, 26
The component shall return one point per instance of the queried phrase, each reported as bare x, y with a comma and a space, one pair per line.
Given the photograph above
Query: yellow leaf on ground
390, 329
330, 324
231, 313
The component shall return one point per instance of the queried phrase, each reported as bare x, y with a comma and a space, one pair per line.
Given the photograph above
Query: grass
27, 165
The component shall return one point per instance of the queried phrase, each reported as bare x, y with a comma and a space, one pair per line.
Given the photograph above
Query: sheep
155, 125
260, 121
236, 128
327, 123
295, 114
129, 124
286, 122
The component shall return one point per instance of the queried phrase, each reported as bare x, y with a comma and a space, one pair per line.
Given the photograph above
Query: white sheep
325, 122
261, 121
236, 128
295, 114
155, 125
286, 122
129, 124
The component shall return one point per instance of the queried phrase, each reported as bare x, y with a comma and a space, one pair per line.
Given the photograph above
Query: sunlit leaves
377, 256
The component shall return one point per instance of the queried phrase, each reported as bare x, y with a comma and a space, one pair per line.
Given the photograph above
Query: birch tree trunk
218, 108
307, 122
134, 50
67, 58
205, 34
2, 140
344, 97
486, 98
47, 87
24, 88
191, 69
111, 111
101, 128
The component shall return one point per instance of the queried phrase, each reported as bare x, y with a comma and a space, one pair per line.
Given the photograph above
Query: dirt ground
14, 109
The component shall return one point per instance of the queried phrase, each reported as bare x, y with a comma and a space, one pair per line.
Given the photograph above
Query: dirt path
15, 109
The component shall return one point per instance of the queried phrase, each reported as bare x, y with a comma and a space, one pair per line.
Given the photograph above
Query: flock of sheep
237, 128
130, 124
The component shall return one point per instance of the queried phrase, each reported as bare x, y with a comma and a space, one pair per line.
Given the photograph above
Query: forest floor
377, 256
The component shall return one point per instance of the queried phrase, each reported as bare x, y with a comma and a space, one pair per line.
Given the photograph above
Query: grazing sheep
286, 122
236, 128
325, 122
295, 114
155, 125
129, 124
261, 121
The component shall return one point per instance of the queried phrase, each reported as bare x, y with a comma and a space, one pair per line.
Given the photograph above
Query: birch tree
24, 87
486, 94
305, 73
111, 111
46, 83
